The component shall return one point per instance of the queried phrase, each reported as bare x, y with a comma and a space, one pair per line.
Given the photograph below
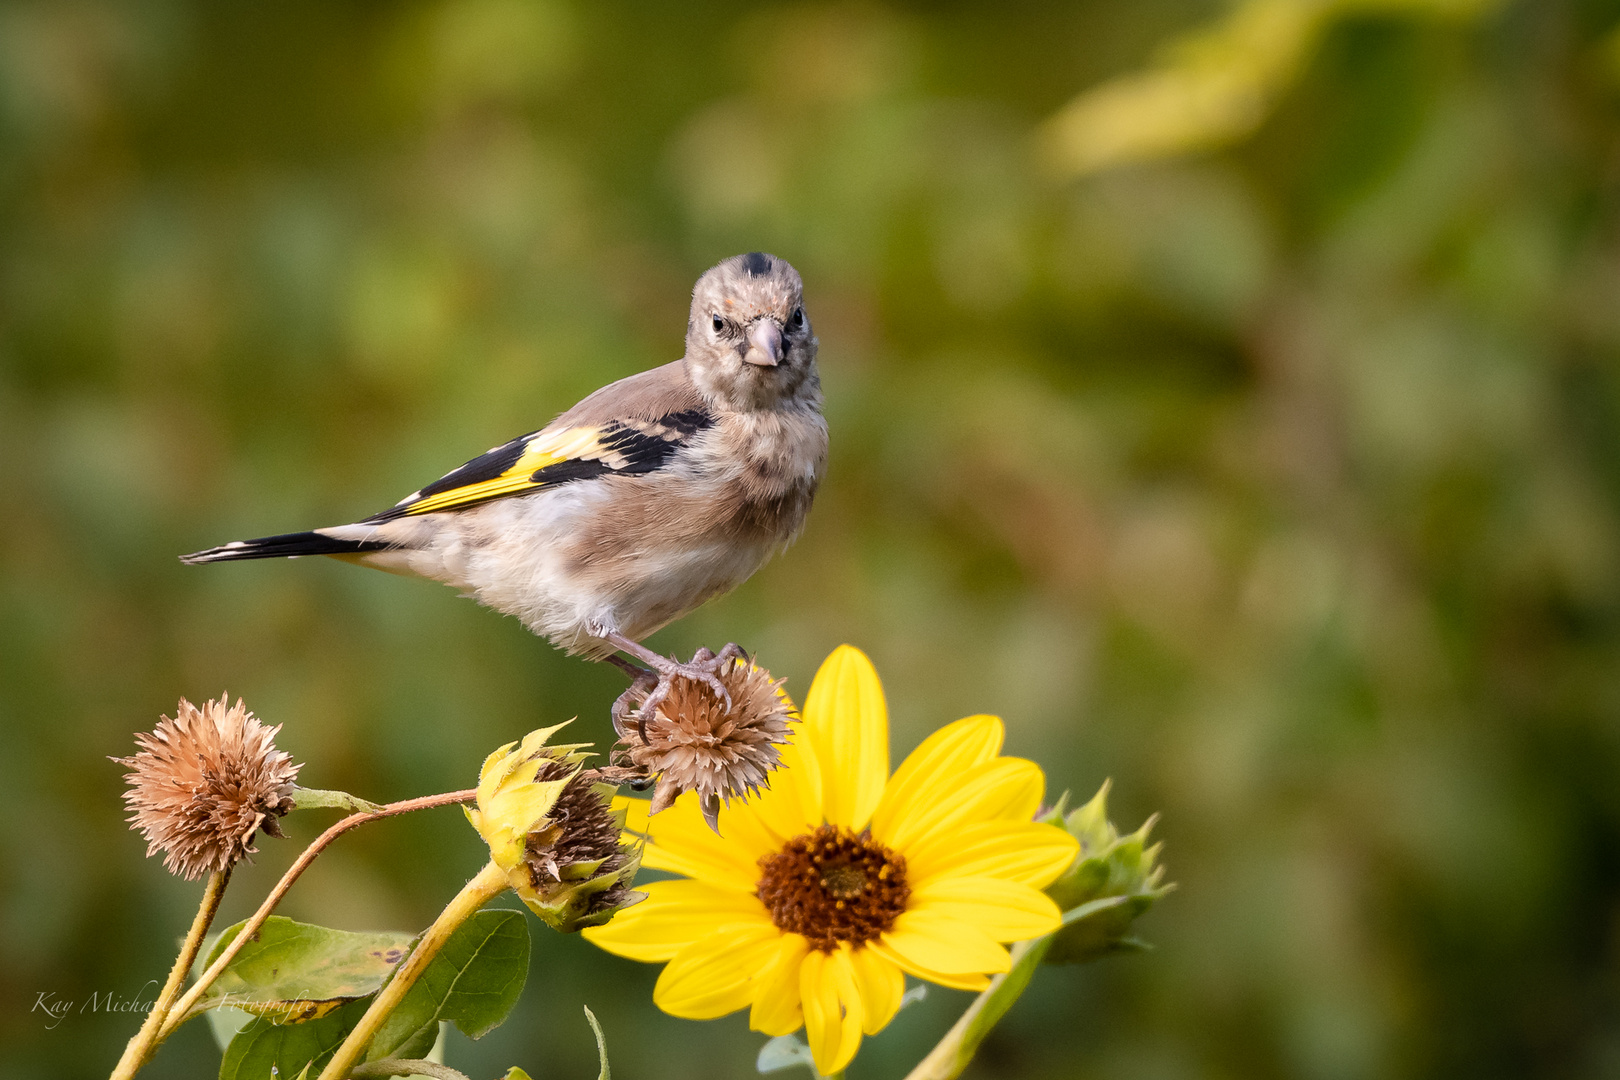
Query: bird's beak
764, 343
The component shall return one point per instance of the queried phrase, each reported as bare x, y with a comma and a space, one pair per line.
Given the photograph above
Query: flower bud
1112, 881
550, 825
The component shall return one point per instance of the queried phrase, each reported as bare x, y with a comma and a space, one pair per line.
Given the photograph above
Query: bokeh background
1227, 394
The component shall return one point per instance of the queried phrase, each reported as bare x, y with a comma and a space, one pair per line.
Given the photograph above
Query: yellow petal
832, 1008
881, 985
931, 772
955, 982
846, 723
493, 771
674, 915
521, 806
679, 840
776, 1008
534, 740
504, 762
710, 978
940, 943
1027, 852
792, 804
1001, 910
1004, 789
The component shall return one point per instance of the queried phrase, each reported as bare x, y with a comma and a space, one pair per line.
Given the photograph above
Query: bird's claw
625, 711
649, 688
704, 667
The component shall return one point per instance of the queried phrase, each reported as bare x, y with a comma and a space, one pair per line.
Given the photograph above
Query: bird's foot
703, 667
624, 712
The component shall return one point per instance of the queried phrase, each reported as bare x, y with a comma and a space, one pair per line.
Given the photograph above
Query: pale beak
764, 343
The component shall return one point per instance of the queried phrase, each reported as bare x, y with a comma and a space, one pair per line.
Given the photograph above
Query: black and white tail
287, 545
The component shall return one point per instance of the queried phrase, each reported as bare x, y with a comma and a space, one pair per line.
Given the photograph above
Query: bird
648, 498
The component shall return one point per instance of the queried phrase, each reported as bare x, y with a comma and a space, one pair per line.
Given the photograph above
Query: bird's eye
798, 318
719, 324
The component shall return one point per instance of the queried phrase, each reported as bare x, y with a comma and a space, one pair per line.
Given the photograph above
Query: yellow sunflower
821, 894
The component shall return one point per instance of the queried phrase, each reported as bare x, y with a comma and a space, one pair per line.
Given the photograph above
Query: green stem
947, 1060
490, 883
956, 1049
404, 1067
250, 929
147, 1040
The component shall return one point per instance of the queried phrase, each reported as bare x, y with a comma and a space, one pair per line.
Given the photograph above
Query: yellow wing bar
540, 451
547, 458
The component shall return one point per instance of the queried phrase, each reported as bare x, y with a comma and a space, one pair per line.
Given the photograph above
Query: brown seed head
579, 867
694, 743
203, 783
834, 885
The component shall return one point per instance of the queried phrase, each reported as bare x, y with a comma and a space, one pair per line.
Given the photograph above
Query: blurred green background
1227, 395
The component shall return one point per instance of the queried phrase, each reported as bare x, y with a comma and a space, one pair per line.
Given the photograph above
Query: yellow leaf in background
1214, 86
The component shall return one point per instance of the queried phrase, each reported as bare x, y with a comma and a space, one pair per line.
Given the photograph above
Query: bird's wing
556, 455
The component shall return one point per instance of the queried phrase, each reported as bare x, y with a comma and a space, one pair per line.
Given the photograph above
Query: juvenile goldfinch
649, 497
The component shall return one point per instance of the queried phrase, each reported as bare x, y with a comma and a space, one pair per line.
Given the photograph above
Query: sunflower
819, 896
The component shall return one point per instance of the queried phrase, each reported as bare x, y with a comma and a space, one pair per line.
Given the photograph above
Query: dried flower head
203, 783
550, 824
579, 867
693, 742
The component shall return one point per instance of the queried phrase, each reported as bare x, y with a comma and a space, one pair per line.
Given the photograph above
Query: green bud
578, 869
1113, 881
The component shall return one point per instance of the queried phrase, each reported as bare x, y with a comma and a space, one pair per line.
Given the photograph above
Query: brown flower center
833, 885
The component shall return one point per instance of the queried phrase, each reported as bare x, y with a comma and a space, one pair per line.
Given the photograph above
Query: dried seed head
692, 742
203, 783
551, 826
578, 867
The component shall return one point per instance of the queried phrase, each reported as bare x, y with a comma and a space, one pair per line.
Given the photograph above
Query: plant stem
956, 1049
146, 1040
490, 883
404, 1067
177, 1015
947, 1060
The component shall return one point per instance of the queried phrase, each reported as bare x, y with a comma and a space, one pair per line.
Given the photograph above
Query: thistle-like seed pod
693, 742
204, 783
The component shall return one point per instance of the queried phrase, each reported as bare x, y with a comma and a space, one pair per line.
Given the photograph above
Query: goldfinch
651, 496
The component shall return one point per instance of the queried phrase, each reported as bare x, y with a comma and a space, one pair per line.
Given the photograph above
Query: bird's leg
729, 652
702, 669
642, 682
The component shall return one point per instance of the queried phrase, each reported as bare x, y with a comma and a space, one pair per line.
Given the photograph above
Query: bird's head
748, 340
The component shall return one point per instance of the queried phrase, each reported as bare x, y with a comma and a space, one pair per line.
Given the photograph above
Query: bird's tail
287, 545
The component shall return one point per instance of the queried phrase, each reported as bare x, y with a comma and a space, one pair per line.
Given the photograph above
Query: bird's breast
765, 469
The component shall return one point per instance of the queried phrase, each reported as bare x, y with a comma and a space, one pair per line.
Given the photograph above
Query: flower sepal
1114, 880
552, 830
569, 894
513, 800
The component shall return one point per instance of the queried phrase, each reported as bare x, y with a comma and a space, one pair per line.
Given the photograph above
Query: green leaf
225, 1023
1097, 929
601, 1045
515, 1073
264, 1049
322, 799
293, 972
785, 1052
474, 982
